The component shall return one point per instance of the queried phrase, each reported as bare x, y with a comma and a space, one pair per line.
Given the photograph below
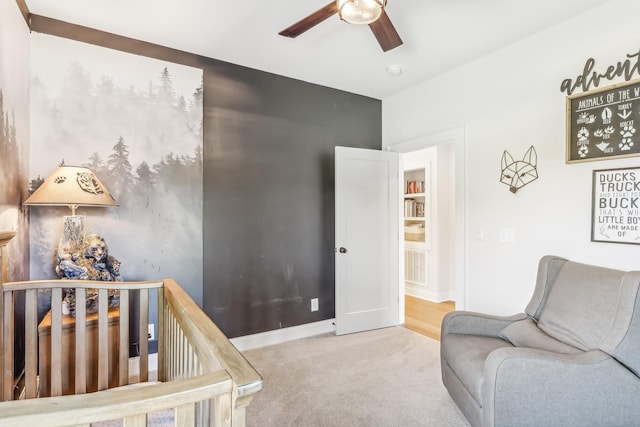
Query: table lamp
72, 186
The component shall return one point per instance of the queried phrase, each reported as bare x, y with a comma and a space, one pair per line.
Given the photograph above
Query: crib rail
192, 344
132, 405
77, 381
191, 349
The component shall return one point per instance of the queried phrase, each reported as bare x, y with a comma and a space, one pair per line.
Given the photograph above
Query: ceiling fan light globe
360, 12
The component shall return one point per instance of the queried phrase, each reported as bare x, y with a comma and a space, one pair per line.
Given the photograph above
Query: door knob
343, 250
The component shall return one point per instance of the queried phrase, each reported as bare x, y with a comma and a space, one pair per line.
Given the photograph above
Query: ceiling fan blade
310, 21
385, 32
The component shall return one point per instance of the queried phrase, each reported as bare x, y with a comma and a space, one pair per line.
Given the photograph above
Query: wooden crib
77, 371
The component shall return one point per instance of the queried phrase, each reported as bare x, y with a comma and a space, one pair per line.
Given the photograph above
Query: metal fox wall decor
518, 173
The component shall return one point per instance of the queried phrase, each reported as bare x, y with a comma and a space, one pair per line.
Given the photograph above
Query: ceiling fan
369, 12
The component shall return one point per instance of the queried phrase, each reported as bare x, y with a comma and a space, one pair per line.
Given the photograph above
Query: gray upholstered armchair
572, 359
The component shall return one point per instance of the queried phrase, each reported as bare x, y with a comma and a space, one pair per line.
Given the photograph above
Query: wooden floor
425, 317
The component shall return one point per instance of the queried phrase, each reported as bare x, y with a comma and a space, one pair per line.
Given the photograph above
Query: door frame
458, 138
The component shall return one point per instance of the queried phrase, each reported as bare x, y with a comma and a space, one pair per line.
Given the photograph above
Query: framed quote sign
603, 123
615, 215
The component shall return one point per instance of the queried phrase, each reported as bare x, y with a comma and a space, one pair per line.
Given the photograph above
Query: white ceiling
438, 35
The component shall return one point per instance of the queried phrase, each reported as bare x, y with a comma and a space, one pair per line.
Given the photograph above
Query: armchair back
589, 307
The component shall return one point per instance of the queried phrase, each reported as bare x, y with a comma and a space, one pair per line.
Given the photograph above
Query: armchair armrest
525, 386
469, 322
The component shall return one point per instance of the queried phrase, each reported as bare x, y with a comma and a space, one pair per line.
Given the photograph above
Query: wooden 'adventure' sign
603, 123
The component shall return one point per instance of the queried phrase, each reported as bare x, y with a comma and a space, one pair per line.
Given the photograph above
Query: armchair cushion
526, 333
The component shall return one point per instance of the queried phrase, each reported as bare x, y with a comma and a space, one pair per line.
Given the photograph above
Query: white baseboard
262, 339
425, 293
278, 336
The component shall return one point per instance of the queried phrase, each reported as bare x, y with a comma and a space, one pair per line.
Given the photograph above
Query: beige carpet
385, 377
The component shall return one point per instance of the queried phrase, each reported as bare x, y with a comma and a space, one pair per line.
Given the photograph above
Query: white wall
511, 100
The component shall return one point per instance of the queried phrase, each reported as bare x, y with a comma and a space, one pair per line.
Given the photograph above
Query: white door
367, 239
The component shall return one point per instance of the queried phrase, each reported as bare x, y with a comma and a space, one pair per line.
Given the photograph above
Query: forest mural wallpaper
14, 136
137, 123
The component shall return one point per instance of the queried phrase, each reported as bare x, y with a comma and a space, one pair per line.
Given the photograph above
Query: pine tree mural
144, 142
119, 174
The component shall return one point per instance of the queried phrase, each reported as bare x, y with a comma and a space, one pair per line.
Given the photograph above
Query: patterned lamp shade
72, 186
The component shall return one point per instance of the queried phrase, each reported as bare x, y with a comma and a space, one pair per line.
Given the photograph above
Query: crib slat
169, 345
103, 340
4, 239
221, 414
185, 415
7, 336
173, 350
56, 342
31, 343
123, 354
81, 341
142, 333
2, 367
189, 362
162, 358
135, 421
180, 353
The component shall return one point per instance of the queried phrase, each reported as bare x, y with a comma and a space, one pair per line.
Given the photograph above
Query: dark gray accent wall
269, 194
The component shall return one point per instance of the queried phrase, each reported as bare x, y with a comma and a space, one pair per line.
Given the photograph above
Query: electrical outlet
151, 332
314, 304
507, 235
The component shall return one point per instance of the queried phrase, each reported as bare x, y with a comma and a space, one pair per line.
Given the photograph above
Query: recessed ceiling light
394, 70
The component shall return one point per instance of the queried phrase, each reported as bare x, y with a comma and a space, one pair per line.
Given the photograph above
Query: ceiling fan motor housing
360, 12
